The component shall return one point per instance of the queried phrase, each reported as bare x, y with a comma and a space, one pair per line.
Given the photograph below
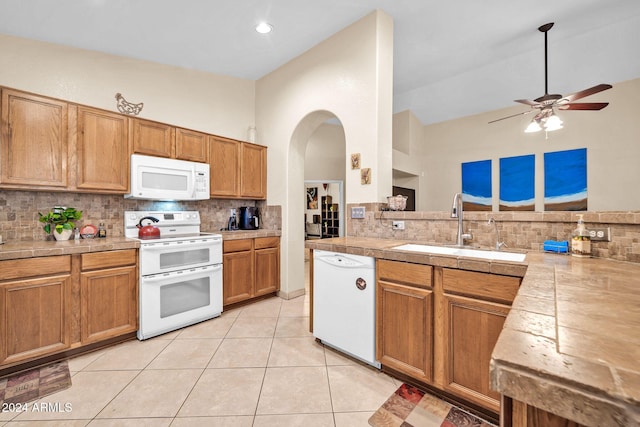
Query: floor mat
34, 384
411, 407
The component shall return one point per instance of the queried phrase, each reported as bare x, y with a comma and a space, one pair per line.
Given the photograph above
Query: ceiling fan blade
513, 115
527, 102
583, 106
583, 93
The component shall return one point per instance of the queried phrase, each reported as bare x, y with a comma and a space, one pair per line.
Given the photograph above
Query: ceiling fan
546, 105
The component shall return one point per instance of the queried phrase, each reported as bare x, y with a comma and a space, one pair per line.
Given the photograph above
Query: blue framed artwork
517, 183
565, 180
476, 186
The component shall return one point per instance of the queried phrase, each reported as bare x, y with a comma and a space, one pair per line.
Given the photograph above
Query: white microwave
158, 178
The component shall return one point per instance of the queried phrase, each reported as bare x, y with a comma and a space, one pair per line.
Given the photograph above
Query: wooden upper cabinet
224, 158
34, 145
191, 145
253, 182
153, 139
102, 150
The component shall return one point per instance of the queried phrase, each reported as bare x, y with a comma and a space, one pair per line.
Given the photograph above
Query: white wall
611, 137
349, 76
192, 99
408, 157
325, 155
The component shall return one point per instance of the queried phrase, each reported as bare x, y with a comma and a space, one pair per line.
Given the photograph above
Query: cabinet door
253, 166
109, 303
267, 277
224, 158
404, 329
35, 317
471, 332
33, 141
237, 277
191, 145
103, 151
153, 139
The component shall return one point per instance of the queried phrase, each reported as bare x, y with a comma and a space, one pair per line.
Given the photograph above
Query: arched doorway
293, 216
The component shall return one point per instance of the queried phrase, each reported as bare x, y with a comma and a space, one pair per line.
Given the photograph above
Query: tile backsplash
520, 230
19, 212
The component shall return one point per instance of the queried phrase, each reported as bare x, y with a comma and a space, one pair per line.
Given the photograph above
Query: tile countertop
571, 342
247, 234
37, 248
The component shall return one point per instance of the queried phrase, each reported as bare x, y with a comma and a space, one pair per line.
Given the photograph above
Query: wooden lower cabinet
404, 318
49, 305
109, 294
474, 307
237, 271
439, 326
472, 328
250, 268
35, 317
267, 265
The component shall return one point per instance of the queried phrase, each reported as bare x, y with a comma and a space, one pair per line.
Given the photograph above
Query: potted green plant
62, 220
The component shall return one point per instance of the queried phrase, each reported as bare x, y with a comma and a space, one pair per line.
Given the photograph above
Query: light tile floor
254, 366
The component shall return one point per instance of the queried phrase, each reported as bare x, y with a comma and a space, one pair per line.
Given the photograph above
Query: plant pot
65, 235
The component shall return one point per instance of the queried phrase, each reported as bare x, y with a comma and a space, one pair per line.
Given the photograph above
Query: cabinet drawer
29, 267
108, 259
481, 285
266, 242
405, 272
237, 245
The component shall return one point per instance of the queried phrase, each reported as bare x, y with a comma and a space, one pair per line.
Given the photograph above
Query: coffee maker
248, 219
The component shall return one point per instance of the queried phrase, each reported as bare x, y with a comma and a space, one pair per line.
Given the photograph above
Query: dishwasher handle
341, 261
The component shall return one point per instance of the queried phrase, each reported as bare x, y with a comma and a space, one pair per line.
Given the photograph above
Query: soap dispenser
581, 240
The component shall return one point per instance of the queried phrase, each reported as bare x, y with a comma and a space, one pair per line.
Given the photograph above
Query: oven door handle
190, 244
199, 271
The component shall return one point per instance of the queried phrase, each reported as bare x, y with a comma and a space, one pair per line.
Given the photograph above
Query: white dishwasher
344, 303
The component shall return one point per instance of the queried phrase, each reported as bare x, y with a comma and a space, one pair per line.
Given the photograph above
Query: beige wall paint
611, 137
408, 159
349, 76
192, 99
325, 155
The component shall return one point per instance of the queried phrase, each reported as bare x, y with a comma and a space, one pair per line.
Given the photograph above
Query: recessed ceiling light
264, 28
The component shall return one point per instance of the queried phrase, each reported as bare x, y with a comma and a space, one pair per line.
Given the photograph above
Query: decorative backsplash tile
520, 230
19, 212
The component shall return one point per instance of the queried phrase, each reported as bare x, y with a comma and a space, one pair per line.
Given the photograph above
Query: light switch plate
357, 212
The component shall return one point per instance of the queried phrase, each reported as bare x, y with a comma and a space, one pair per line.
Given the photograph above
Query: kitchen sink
465, 252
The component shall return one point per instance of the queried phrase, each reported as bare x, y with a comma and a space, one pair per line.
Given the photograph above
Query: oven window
184, 296
184, 258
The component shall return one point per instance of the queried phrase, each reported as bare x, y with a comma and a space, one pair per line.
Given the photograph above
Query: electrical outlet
600, 234
357, 212
232, 212
398, 225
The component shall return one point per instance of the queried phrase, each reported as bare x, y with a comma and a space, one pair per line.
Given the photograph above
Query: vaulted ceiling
451, 58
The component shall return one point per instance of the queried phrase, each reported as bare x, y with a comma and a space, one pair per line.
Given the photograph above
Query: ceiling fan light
552, 123
264, 28
534, 126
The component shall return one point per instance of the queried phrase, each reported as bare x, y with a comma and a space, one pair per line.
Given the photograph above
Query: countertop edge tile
42, 248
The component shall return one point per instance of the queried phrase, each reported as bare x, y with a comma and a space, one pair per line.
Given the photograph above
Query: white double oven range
180, 272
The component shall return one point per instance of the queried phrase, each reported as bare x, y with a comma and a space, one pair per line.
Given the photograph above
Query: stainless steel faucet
457, 212
499, 244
